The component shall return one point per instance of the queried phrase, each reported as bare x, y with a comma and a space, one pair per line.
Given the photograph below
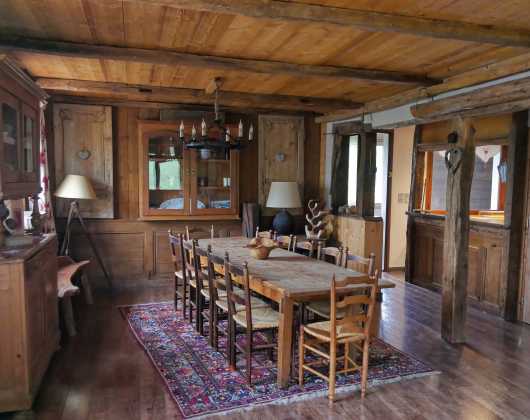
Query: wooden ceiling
164, 25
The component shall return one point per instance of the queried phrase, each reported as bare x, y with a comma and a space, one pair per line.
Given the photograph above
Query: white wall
401, 171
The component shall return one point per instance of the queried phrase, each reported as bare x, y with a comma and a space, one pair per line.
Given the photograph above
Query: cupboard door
10, 130
165, 179
214, 181
29, 163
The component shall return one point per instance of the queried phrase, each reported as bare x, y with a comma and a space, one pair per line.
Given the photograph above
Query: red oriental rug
201, 383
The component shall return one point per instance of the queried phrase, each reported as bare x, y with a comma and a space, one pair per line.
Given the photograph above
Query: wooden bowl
260, 248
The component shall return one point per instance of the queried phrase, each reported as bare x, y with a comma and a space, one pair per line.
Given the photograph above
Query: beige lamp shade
78, 187
284, 195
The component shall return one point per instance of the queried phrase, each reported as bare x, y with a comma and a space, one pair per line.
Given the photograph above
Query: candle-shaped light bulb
171, 147
240, 129
227, 134
203, 128
250, 132
181, 129
193, 132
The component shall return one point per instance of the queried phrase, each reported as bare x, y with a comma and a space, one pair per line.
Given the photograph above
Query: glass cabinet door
213, 176
10, 136
29, 158
166, 176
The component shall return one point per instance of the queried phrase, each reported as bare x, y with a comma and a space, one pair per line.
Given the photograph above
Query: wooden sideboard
487, 271
29, 323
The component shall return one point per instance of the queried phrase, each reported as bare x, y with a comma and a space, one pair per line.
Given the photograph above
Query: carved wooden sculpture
315, 227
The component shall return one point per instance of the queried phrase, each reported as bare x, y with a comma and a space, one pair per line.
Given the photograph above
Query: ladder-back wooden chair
306, 247
353, 329
247, 317
217, 292
285, 241
360, 264
269, 234
202, 285
198, 233
177, 256
189, 266
330, 254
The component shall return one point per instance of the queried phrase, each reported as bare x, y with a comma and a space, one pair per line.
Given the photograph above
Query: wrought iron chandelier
225, 140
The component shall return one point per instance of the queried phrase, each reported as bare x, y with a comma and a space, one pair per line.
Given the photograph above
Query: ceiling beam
149, 93
514, 92
486, 73
171, 58
361, 19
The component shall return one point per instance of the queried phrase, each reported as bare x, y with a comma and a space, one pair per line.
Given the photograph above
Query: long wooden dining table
286, 278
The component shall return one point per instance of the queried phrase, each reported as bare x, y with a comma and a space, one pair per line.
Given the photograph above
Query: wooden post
514, 209
415, 196
460, 162
366, 174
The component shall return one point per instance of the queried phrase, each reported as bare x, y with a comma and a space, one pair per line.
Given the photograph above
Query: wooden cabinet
486, 284
178, 183
19, 132
29, 326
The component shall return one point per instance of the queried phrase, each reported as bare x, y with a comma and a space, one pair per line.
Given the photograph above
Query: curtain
45, 205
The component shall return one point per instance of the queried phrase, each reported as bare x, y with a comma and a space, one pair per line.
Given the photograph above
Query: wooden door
83, 146
281, 153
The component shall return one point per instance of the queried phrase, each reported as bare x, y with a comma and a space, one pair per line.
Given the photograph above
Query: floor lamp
78, 187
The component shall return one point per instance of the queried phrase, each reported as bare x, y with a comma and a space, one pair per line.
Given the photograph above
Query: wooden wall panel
134, 250
487, 273
122, 254
85, 129
280, 135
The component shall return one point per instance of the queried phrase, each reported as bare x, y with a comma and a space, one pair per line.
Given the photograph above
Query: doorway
383, 188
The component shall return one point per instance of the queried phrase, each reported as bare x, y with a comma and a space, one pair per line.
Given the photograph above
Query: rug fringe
314, 394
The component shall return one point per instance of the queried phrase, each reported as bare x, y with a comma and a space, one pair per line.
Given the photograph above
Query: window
352, 170
487, 187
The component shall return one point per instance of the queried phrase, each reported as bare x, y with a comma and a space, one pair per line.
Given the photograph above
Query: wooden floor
104, 374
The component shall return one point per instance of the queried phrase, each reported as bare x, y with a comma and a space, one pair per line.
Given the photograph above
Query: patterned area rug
201, 383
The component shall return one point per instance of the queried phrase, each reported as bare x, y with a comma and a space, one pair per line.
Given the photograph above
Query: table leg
285, 337
376, 320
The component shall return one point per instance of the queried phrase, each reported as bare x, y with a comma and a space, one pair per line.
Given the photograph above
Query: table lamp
78, 187
283, 195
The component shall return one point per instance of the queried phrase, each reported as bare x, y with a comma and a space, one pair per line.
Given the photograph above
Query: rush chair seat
353, 329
